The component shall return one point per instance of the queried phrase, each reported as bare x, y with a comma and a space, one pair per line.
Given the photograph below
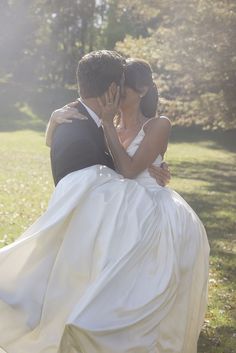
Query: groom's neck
92, 104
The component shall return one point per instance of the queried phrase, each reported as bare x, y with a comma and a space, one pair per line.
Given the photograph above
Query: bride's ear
143, 91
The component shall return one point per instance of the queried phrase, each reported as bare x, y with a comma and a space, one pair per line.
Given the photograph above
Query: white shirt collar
92, 114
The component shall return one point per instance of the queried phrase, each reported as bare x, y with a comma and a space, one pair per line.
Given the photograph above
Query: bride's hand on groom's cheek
109, 105
66, 114
160, 174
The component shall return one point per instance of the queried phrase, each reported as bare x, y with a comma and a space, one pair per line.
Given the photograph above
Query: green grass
203, 166
25, 181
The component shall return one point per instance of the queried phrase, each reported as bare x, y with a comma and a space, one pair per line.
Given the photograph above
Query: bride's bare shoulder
157, 123
165, 120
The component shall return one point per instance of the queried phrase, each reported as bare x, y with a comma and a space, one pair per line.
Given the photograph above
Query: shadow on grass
217, 192
194, 134
209, 344
214, 202
221, 176
15, 120
218, 215
30, 108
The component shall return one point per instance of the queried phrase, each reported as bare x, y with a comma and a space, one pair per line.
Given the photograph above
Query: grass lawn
203, 166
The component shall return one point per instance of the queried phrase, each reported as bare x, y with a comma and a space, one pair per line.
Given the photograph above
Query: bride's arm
51, 126
154, 143
61, 116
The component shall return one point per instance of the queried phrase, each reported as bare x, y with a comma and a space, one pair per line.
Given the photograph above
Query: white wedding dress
113, 266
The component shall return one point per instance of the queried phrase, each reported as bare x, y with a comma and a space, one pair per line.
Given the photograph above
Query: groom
81, 143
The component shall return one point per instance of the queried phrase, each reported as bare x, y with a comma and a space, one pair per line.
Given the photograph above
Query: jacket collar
93, 115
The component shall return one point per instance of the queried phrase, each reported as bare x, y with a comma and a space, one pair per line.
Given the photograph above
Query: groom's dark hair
97, 70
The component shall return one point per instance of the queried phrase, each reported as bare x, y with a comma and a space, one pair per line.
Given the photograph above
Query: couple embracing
118, 263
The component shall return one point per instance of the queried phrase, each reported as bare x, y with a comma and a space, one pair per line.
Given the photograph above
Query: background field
204, 172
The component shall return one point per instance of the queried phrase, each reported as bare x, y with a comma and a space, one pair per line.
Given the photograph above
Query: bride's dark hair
138, 74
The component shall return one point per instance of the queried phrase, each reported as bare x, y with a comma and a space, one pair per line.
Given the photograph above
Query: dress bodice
144, 177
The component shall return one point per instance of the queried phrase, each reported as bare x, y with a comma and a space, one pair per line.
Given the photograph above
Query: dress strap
146, 122
161, 117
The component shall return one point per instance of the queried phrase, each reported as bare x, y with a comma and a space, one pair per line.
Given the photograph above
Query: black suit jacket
78, 145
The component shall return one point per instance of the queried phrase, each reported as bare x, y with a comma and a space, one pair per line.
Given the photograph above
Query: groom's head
97, 71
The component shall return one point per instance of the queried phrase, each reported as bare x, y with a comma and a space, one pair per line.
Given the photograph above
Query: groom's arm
64, 115
74, 155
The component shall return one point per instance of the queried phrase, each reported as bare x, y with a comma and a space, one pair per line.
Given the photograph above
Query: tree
192, 51
189, 43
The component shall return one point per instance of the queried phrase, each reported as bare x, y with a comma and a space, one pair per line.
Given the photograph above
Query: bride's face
130, 98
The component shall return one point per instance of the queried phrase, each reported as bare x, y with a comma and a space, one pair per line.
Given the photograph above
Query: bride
114, 265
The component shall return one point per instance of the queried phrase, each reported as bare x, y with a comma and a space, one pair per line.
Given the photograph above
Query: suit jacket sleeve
75, 156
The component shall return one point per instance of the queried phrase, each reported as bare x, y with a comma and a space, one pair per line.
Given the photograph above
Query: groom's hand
161, 174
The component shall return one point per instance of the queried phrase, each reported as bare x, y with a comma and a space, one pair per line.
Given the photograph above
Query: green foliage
45, 39
133, 17
193, 54
190, 44
203, 171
